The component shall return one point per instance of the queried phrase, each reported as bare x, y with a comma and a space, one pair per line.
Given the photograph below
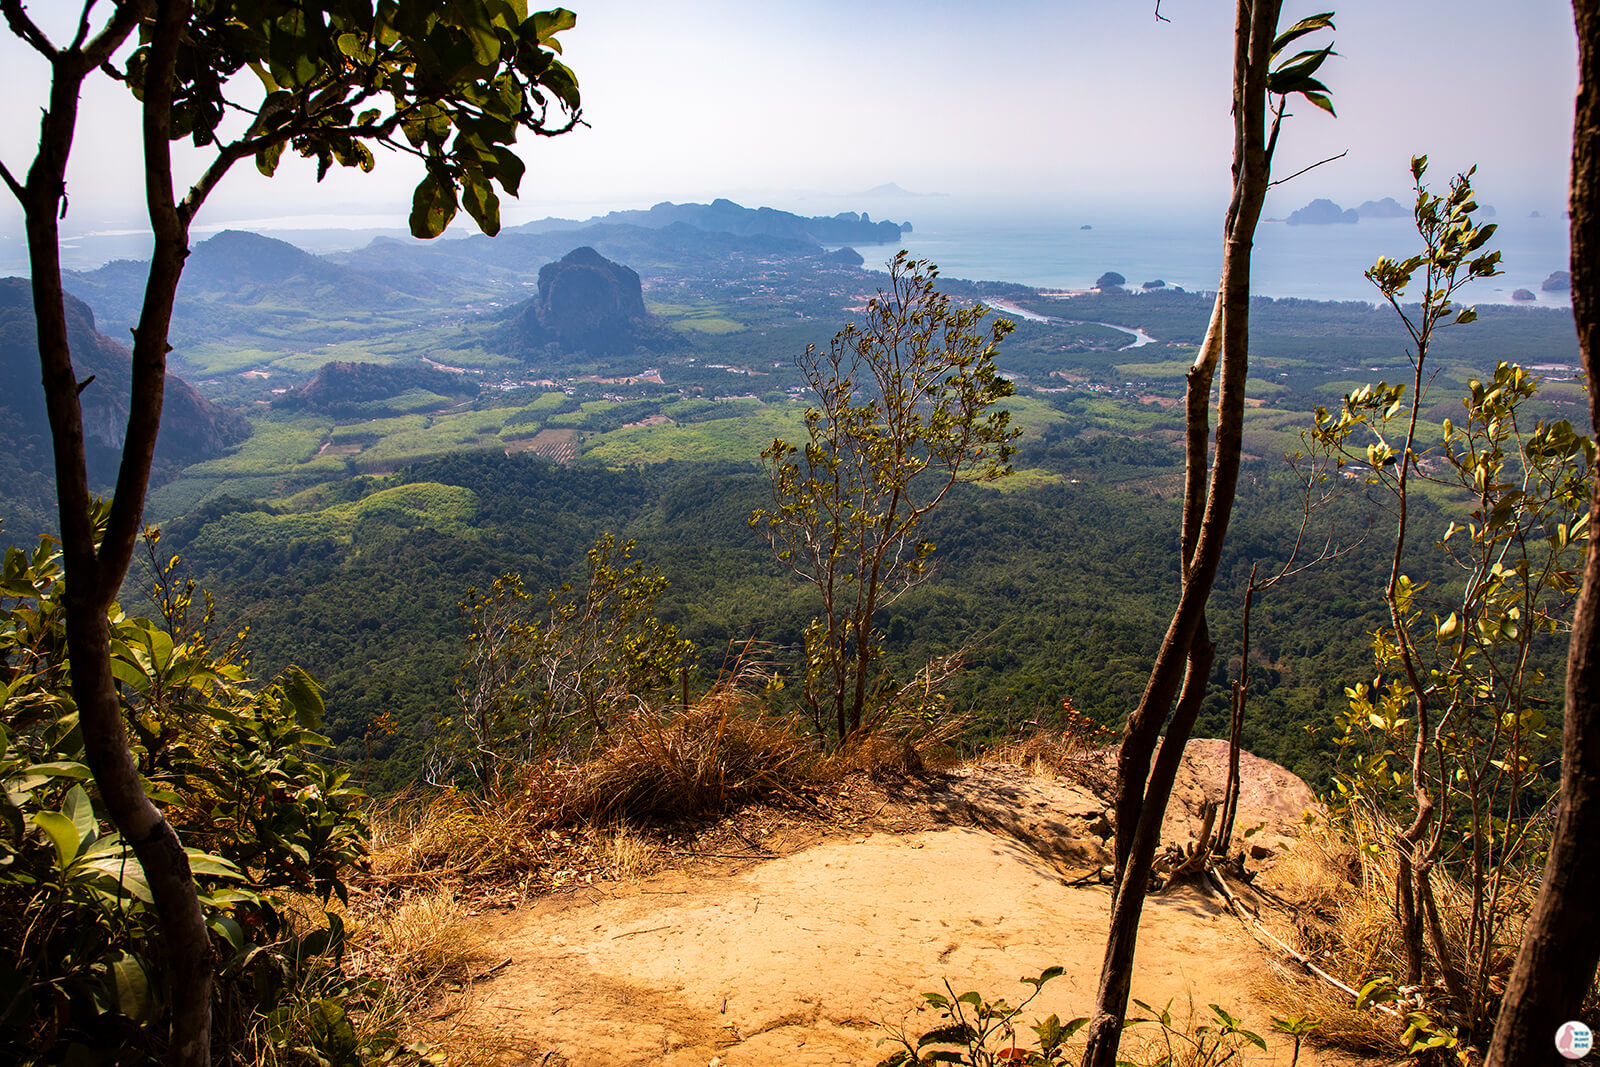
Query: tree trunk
1241, 694
1186, 651
1561, 944
94, 572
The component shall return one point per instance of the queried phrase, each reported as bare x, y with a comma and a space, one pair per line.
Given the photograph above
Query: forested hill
1063, 592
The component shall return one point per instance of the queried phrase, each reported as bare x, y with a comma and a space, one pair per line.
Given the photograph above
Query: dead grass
626, 853
424, 943
657, 767
653, 773
418, 946
1341, 899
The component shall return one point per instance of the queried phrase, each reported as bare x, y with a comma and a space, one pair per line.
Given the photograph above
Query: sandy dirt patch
809, 958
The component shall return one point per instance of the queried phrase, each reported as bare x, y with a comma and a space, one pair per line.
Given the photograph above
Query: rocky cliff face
586, 303
192, 429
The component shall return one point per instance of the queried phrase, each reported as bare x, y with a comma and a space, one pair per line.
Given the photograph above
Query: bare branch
1159, 16
1313, 166
23, 26
83, 26
11, 183
97, 53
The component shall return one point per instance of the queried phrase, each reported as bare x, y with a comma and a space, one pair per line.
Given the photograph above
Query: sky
1012, 106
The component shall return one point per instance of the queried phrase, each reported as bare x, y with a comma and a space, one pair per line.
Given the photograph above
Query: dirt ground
804, 946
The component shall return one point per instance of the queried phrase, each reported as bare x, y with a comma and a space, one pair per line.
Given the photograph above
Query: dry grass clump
1341, 898
455, 833
664, 766
1074, 749
625, 853
649, 767
423, 943
415, 947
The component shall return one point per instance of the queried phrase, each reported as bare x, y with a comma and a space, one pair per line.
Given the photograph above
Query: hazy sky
1019, 103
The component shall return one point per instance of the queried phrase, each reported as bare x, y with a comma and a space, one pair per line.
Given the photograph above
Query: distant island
1324, 212
895, 190
725, 216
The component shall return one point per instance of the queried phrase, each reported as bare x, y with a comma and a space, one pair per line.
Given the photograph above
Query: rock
1322, 212
1559, 282
1387, 208
1110, 280
1157, 284
1523, 295
192, 429
585, 303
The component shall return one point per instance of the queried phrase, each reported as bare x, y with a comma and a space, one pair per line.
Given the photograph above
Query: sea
1312, 262
1048, 249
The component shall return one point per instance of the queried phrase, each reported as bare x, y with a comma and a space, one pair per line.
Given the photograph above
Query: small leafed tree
1266, 75
527, 684
1444, 746
452, 82
906, 409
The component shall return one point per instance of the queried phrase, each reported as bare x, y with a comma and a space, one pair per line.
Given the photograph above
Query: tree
451, 83
1445, 744
526, 685
1186, 651
906, 411
1555, 966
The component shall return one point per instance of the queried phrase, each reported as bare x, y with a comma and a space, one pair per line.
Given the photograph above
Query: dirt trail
803, 960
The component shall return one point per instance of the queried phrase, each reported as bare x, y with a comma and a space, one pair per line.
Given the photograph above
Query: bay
1306, 262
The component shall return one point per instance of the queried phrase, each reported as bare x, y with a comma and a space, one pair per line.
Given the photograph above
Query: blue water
1048, 248
1311, 262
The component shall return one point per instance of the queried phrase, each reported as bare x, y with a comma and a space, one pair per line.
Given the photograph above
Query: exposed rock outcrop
585, 303
192, 428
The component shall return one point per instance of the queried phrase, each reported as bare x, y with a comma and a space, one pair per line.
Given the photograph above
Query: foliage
449, 83
910, 394
225, 759
974, 1025
982, 1033
1207, 1044
1450, 741
525, 686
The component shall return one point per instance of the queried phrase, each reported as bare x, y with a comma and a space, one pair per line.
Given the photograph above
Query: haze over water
1049, 248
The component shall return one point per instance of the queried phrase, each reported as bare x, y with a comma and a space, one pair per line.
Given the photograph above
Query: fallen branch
1261, 932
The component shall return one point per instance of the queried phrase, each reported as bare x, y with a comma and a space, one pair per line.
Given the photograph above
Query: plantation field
707, 318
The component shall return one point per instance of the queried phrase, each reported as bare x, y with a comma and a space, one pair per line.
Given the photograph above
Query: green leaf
130, 675
62, 834
546, 24
302, 693
208, 865
433, 205
132, 986
39, 773
77, 807
1309, 24
479, 198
